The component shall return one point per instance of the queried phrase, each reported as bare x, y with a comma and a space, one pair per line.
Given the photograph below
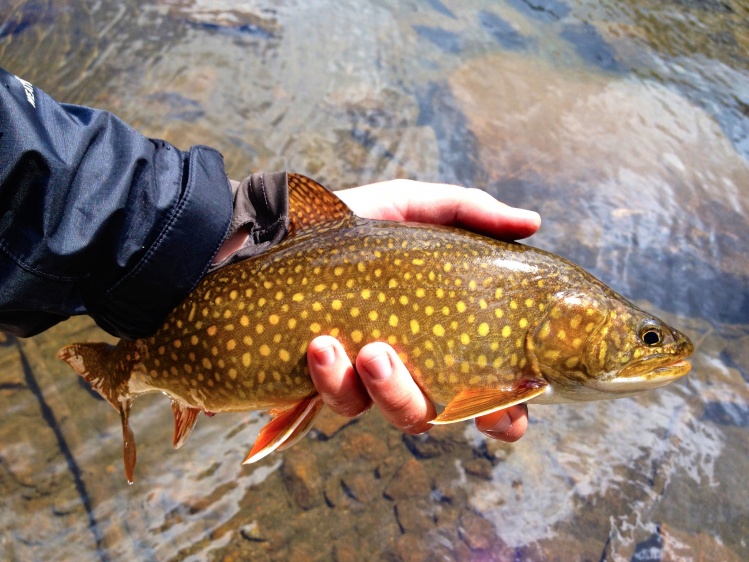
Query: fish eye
650, 333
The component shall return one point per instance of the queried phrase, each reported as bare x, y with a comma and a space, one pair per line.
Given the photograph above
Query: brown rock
328, 423
415, 517
481, 468
476, 531
363, 446
682, 545
412, 548
302, 479
362, 487
410, 481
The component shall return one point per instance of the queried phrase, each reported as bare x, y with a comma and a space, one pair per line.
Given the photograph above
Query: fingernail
380, 367
325, 356
501, 426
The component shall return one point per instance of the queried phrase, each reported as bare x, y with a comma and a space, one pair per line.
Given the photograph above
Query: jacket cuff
179, 257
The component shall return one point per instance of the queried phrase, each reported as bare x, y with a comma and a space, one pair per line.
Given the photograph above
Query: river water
624, 123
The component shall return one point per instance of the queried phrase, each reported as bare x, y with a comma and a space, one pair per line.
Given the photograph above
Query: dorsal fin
312, 205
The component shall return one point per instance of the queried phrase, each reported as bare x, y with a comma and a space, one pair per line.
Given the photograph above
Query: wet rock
481, 468
446, 40
415, 516
301, 477
680, 545
410, 481
361, 487
363, 446
251, 532
476, 531
412, 548
328, 423
502, 31
346, 553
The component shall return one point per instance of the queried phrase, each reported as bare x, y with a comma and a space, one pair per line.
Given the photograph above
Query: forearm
97, 219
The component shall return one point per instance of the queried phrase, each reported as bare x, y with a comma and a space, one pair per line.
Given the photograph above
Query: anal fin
184, 420
286, 428
480, 401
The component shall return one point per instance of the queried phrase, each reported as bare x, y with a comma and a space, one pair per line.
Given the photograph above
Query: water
626, 124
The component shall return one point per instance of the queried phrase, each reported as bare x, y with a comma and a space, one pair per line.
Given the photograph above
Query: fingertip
507, 425
334, 377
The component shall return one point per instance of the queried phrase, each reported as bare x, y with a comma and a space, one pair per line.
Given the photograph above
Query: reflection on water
624, 123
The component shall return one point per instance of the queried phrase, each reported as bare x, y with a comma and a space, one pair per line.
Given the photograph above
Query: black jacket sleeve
97, 219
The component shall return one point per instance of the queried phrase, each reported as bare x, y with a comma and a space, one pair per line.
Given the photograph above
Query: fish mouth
645, 376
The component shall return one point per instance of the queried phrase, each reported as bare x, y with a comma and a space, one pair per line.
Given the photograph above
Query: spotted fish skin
481, 324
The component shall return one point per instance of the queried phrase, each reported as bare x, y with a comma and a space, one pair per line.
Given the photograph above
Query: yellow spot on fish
292, 323
284, 355
206, 363
259, 328
428, 310
571, 363
354, 312
298, 297
417, 261
244, 320
429, 363
338, 271
273, 319
506, 331
315, 327
562, 335
373, 315
575, 322
474, 380
316, 306
403, 300
447, 267
499, 313
231, 344
366, 293
336, 304
529, 303
357, 336
264, 350
484, 329
438, 330
460, 306
449, 360
393, 320
465, 339
414, 327
523, 322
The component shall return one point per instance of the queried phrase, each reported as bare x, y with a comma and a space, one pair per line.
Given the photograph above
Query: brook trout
481, 325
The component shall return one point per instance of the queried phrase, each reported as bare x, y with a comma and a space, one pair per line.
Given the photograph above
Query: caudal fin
95, 362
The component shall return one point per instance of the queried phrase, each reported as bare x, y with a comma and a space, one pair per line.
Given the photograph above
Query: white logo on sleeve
29, 89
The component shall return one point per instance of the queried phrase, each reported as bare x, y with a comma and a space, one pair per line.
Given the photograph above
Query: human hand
382, 377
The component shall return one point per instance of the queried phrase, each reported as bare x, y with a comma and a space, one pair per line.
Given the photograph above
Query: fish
481, 324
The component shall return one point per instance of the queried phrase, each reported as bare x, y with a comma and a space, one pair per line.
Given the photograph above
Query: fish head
592, 345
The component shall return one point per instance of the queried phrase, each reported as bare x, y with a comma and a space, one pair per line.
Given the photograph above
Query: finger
445, 204
506, 425
393, 389
335, 378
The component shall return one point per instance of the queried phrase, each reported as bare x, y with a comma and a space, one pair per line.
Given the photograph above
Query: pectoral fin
480, 401
286, 428
184, 420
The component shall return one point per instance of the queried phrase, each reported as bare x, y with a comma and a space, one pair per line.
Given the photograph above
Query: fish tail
98, 364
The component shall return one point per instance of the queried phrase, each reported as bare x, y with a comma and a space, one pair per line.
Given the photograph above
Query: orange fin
311, 205
128, 442
288, 424
303, 428
95, 363
478, 402
184, 420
